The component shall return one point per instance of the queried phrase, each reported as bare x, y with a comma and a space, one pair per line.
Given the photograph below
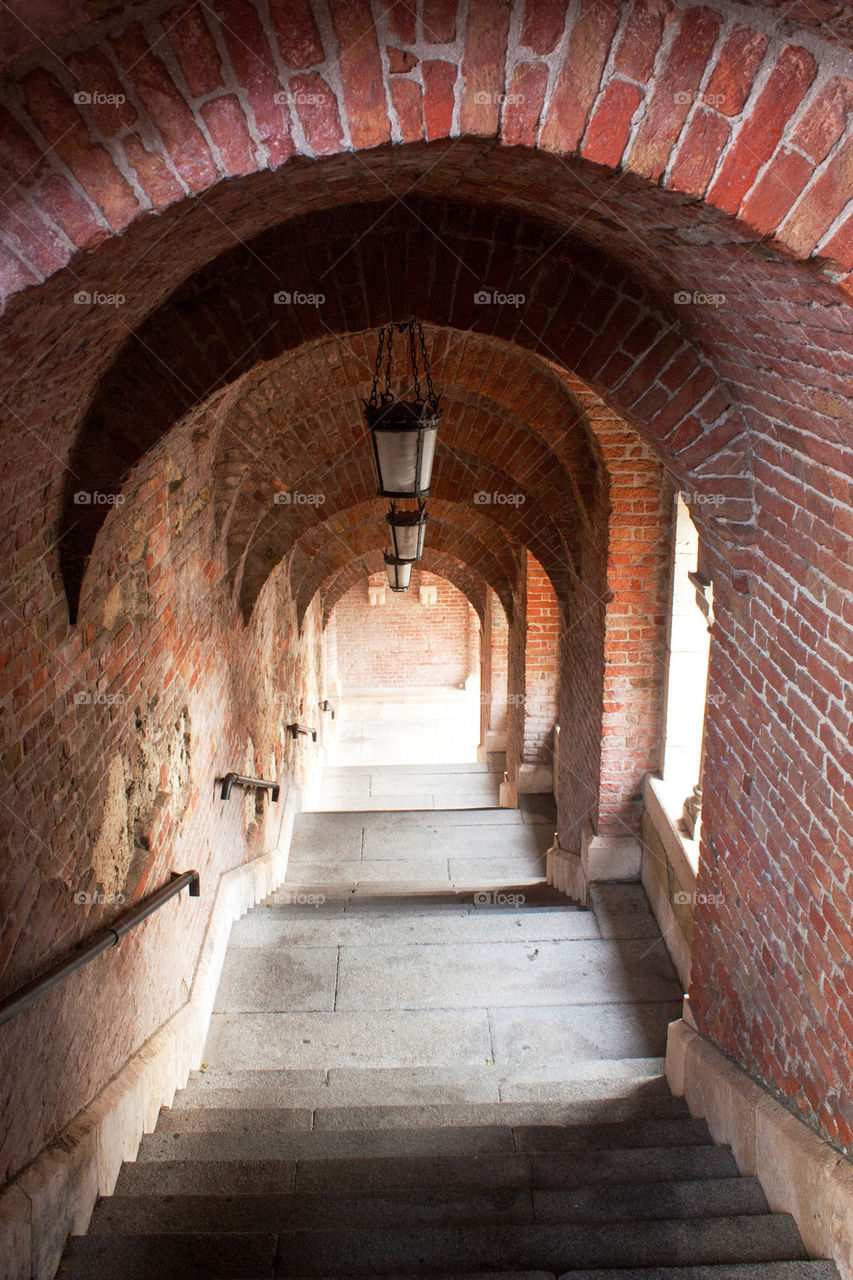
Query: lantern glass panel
407, 533
404, 457
399, 573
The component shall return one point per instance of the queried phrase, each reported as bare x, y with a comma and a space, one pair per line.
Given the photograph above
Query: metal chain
388, 359
376, 368
413, 350
433, 398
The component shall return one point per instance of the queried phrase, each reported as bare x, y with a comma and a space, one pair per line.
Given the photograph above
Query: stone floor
427, 943
407, 726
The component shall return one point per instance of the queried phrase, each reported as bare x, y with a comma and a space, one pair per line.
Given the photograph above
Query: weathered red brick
361, 73
824, 201
543, 24
93, 168
29, 235
154, 175
406, 97
674, 92
825, 120
402, 20
840, 247
703, 143
317, 109
732, 77
439, 83
760, 133
109, 105
255, 69
438, 21
483, 65
227, 126
14, 276
775, 192
297, 33
400, 61
196, 51
609, 128
19, 155
523, 105
166, 109
66, 207
579, 76
639, 42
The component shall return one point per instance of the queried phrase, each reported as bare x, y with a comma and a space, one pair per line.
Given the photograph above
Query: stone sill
663, 803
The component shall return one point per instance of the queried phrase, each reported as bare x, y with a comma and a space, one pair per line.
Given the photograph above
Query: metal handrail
296, 729
241, 781
326, 705
102, 941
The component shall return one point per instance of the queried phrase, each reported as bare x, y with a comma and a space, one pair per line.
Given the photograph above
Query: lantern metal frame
385, 414
399, 572
410, 521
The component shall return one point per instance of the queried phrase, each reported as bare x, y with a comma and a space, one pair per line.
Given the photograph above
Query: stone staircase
424, 1062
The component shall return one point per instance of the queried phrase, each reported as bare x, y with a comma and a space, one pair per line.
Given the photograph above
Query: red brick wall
113, 734
541, 666
498, 691
403, 643
771, 977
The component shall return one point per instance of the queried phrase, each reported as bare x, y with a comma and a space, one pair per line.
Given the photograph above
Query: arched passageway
627, 233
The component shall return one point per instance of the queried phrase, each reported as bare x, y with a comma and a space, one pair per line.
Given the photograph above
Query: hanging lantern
407, 532
404, 431
399, 572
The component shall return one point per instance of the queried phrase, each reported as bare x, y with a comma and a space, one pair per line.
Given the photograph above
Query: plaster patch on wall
112, 853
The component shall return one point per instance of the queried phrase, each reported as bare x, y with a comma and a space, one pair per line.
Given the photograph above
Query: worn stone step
243, 1256
377, 1174
418, 1251
557, 1248
800, 1269
168, 1213
588, 1083
231, 1134
436, 1115
627, 1083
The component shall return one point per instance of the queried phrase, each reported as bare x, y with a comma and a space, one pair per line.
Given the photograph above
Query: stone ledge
535, 779
800, 1173
55, 1194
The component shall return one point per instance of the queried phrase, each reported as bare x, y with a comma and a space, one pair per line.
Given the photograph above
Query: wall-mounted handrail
101, 941
240, 780
296, 729
326, 705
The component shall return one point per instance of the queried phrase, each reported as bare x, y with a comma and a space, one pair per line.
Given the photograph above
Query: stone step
299, 925
554, 1171
436, 1115
419, 1250
394, 770
216, 1134
799, 1270
616, 1083
165, 1214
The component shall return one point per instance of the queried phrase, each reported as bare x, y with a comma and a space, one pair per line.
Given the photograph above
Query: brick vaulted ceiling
274, 162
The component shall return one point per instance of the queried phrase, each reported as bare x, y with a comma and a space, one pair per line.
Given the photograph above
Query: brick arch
469, 582
323, 455
478, 542
580, 312
706, 101
305, 407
